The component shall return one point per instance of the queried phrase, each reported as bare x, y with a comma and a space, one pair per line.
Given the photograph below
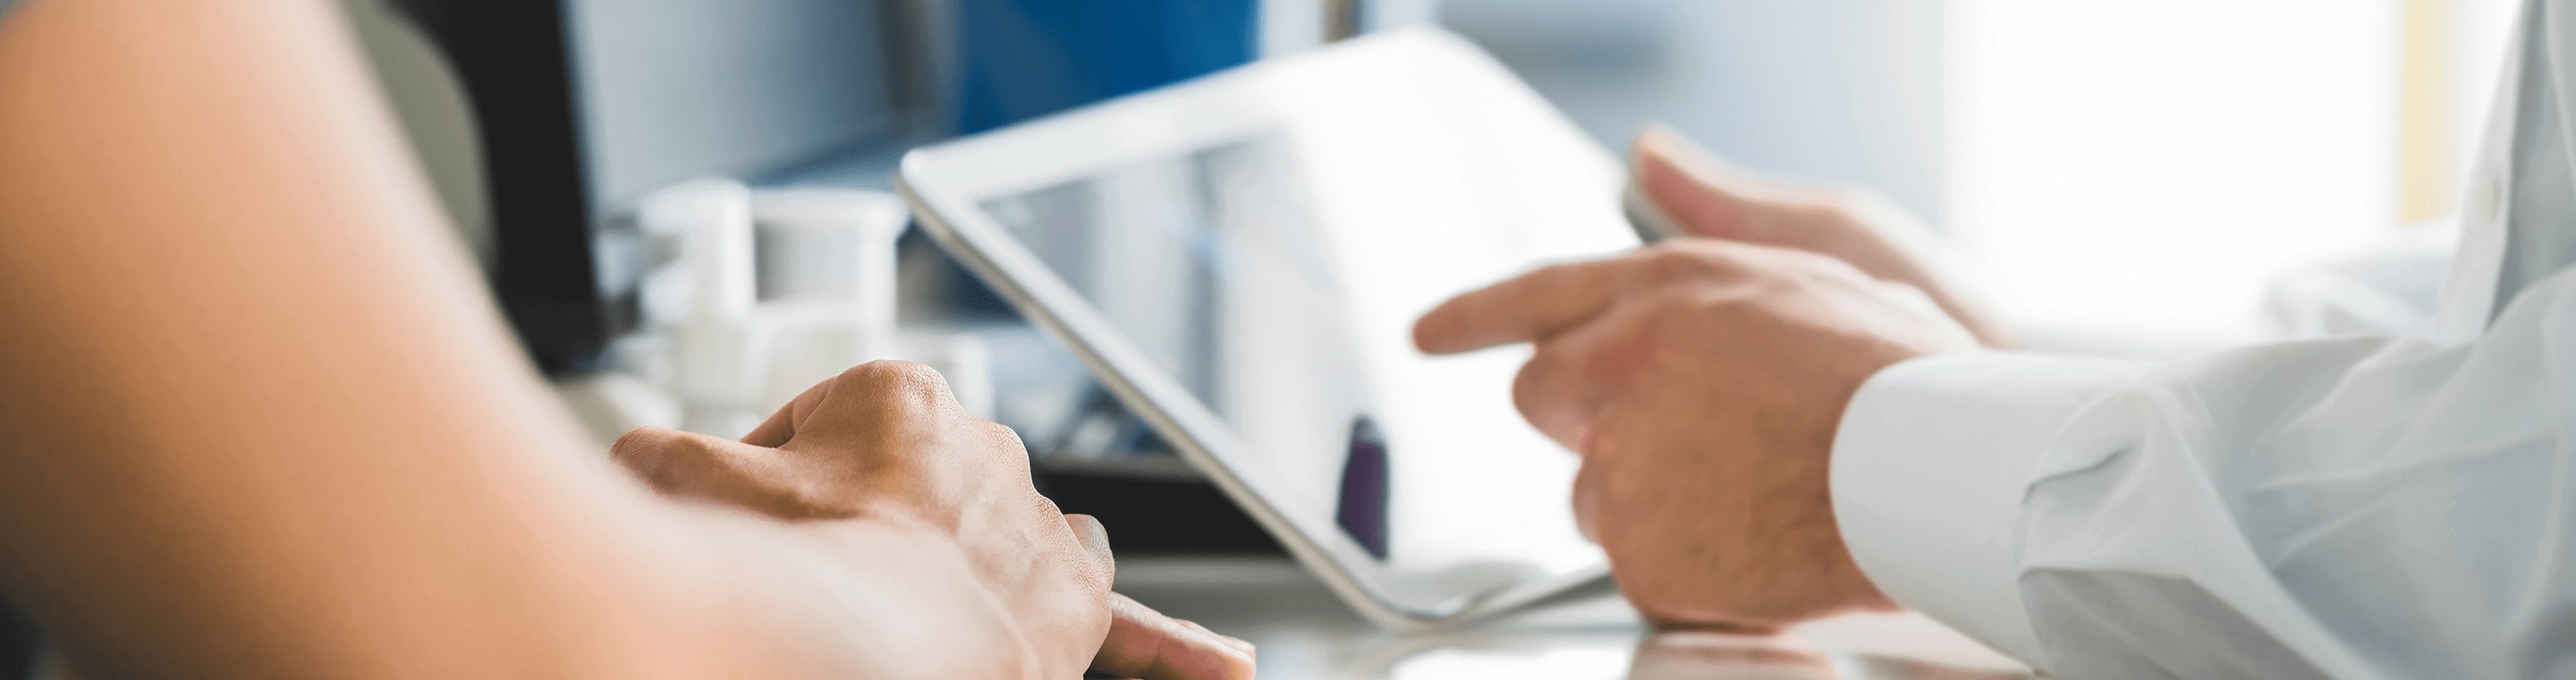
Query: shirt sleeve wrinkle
2383, 507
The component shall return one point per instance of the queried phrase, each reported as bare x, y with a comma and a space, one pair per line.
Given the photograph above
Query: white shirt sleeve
2350, 508
1928, 473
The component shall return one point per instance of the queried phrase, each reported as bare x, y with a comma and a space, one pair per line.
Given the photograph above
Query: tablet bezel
945, 184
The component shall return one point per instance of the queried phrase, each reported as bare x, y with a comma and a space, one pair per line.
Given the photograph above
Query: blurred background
2141, 178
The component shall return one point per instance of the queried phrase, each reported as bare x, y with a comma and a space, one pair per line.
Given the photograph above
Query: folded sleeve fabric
1930, 464
2349, 508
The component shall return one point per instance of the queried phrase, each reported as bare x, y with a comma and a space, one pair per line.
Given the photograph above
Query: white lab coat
2362, 507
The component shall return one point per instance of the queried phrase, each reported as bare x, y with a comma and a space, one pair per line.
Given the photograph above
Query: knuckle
1670, 312
1002, 445
1046, 510
1526, 387
888, 373
1004, 436
1538, 390
1667, 264
1088, 523
904, 387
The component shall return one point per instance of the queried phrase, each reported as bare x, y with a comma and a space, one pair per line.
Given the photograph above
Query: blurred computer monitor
578, 107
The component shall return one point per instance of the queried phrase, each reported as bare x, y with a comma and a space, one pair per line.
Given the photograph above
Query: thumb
702, 467
1699, 191
1144, 643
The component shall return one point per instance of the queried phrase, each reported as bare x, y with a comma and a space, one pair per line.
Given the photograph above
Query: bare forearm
257, 422
252, 400
260, 422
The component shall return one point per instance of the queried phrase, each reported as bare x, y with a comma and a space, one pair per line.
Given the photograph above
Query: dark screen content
1210, 267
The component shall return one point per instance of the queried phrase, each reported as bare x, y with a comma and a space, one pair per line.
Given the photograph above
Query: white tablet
1240, 259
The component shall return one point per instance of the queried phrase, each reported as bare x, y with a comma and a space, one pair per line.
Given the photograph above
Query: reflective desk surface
1305, 632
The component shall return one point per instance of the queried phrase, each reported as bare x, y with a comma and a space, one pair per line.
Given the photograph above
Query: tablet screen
1207, 266
1282, 300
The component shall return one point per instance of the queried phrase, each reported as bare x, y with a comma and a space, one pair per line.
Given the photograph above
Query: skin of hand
1711, 198
1702, 381
886, 443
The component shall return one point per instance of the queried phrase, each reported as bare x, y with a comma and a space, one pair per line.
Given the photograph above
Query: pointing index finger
1523, 308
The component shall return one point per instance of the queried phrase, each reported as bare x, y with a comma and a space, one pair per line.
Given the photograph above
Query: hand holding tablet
1240, 259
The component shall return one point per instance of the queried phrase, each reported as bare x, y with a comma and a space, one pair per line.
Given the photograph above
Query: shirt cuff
1929, 469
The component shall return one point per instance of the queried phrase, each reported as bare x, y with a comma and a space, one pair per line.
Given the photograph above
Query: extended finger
1144, 643
1700, 191
1688, 183
1519, 309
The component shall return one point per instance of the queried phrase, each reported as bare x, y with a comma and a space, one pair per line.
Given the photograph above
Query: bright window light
2147, 167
